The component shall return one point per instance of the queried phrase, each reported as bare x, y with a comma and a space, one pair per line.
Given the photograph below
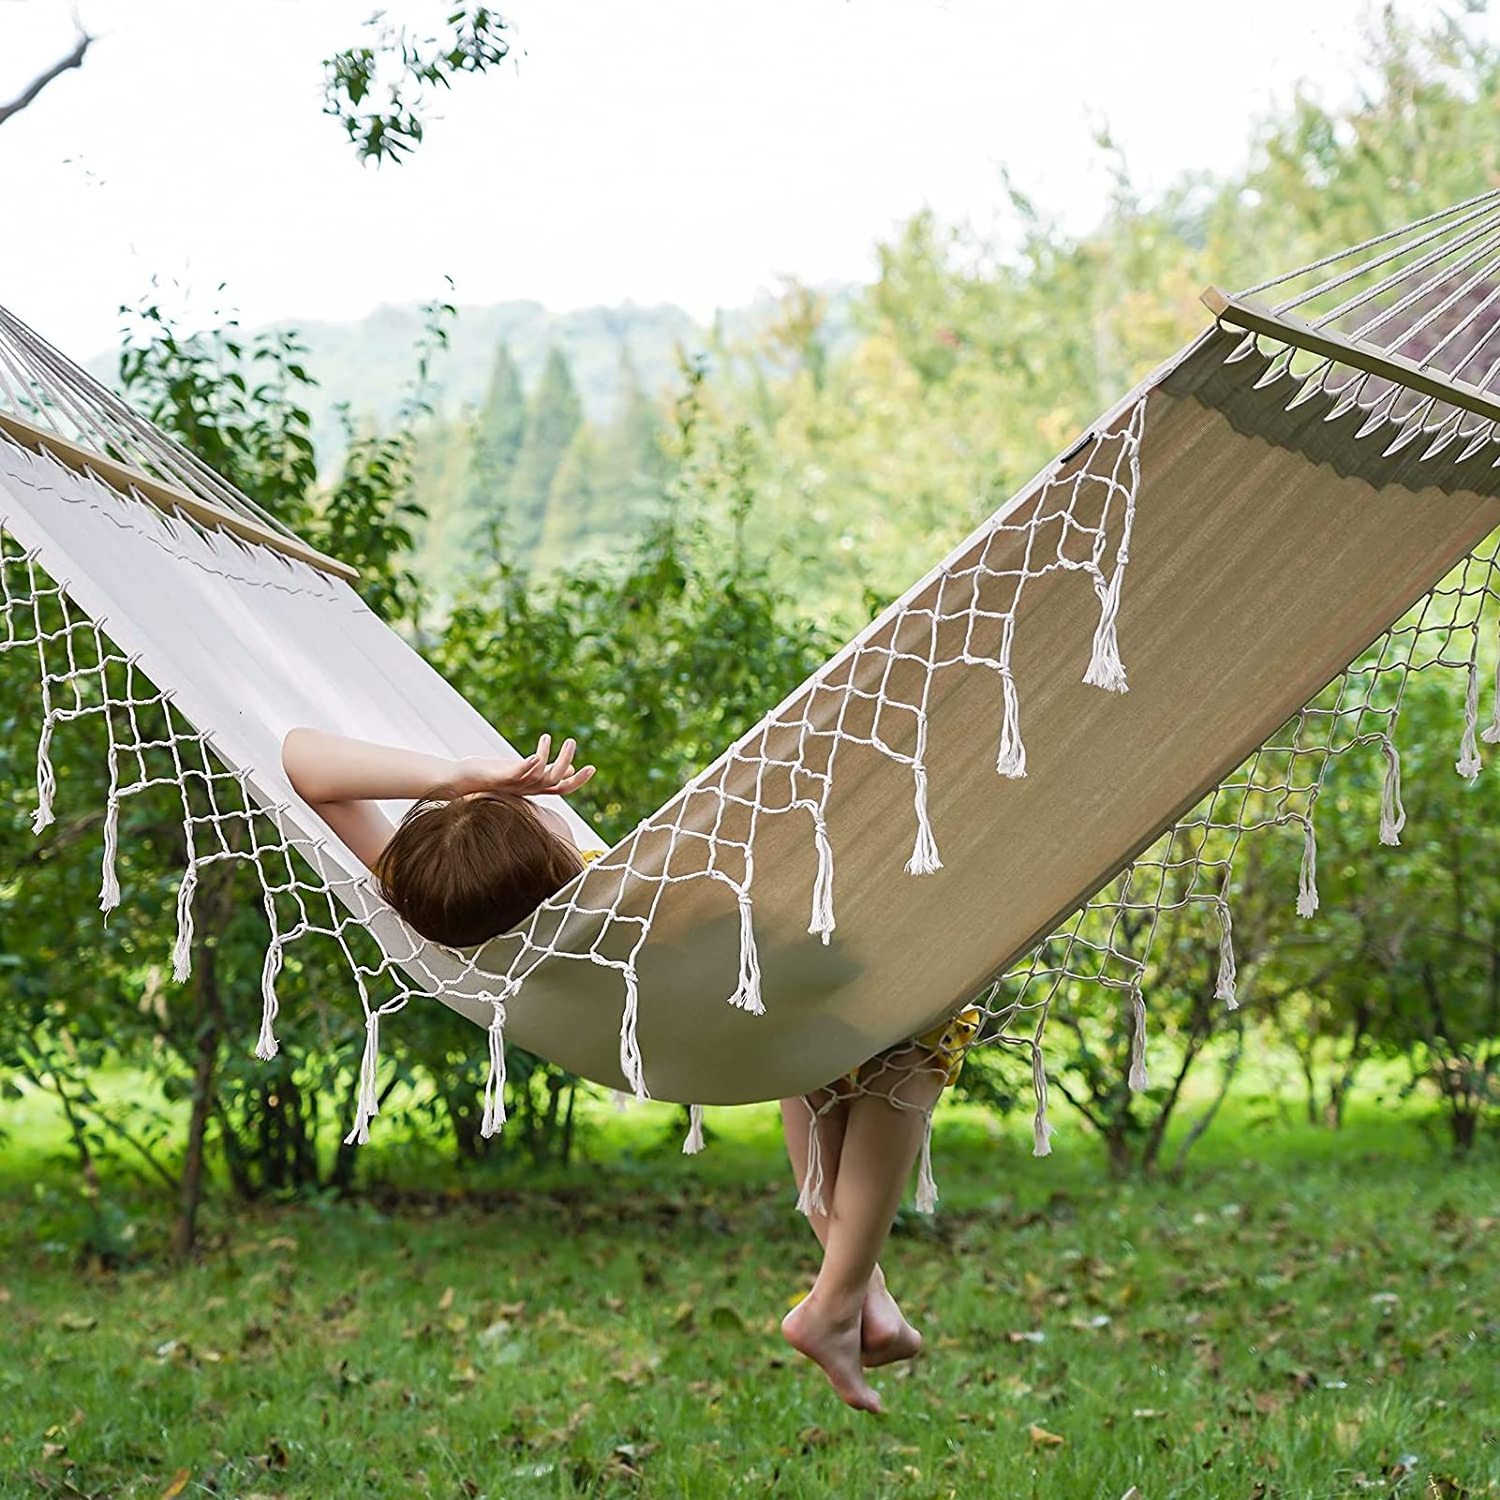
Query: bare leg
884, 1334
882, 1135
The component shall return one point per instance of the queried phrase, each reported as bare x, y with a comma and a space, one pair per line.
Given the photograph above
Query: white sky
667, 150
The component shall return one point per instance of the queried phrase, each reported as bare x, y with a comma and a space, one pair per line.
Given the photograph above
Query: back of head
461, 869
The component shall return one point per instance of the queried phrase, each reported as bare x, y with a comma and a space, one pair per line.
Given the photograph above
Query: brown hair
461, 868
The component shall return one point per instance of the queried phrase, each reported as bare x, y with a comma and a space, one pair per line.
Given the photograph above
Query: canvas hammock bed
966, 800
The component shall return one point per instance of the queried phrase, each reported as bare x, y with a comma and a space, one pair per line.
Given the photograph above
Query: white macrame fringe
822, 923
1041, 1128
631, 1064
1392, 813
1491, 735
810, 1199
1011, 759
927, 1193
1307, 878
1137, 1079
265, 1045
1469, 764
924, 855
366, 1104
493, 1119
109, 884
46, 779
1105, 667
693, 1142
746, 996
1224, 990
182, 951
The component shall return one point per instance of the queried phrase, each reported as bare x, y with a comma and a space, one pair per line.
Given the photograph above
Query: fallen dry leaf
1041, 1438
177, 1485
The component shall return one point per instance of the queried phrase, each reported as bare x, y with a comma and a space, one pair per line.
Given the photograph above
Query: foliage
381, 90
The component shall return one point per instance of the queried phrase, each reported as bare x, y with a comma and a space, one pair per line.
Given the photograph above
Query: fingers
573, 782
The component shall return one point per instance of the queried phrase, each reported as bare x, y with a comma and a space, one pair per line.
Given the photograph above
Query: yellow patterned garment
590, 855
948, 1040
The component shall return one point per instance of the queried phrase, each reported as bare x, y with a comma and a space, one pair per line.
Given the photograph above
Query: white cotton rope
46, 778
631, 1064
927, 1193
924, 855
266, 1046
1224, 988
109, 883
1041, 1127
1010, 760
1392, 813
1137, 1078
1307, 877
693, 1142
366, 1104
1469, 764
746, 994
810, 1198
492, 1120
182, 950
821, 924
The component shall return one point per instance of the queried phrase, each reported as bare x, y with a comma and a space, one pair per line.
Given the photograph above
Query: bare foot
885, 1336
831, 1340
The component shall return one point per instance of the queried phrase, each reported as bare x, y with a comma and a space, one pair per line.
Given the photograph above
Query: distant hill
369, 362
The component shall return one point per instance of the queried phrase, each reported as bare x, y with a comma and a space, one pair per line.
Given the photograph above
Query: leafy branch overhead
381, 91
28, 95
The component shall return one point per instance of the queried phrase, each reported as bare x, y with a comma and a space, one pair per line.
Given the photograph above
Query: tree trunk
208, 1012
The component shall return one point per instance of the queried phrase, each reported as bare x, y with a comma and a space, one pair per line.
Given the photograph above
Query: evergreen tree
553, 415
499, 428
571, 501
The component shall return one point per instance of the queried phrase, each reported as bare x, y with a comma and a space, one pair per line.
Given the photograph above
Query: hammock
965, 800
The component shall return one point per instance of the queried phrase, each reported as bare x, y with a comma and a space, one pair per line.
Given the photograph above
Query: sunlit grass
1307, 1315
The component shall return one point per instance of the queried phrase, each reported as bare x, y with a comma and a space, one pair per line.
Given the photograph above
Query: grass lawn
1309, 1315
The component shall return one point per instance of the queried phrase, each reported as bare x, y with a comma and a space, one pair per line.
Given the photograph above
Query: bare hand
532, 777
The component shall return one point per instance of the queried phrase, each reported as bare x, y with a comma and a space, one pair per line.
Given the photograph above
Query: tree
381, 90
553, 415
30, 93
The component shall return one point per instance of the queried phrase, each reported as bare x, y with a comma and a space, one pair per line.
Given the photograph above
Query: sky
690, 151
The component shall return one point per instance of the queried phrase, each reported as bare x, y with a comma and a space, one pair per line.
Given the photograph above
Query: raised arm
342, 779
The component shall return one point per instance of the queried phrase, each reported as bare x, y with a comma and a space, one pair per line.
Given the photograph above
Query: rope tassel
1041, 1128
1307, 878
822, 923
1225, 988
924, 855
631, 1064
1392, 813
1105, 667
1469, 764
1137, 1079
367, 1105
182, 951
746, 996
46, 779
927, 1193
266, 1046
1491, 735
493, 1120
109, 884
693, 1143
810, 1199
1011, 759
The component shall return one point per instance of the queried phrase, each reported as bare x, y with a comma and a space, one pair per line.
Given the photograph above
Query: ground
1310, 1314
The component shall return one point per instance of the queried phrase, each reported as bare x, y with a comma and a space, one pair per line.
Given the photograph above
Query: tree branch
73, 60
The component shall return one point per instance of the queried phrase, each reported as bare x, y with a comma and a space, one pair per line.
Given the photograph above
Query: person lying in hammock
475, 855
